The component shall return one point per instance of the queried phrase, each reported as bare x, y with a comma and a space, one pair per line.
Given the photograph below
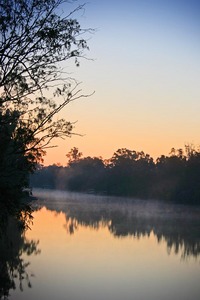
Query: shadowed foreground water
105, 248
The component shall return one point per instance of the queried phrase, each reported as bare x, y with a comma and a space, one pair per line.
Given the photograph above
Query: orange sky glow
145, 73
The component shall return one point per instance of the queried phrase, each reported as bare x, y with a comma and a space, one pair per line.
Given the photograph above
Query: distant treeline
128, 173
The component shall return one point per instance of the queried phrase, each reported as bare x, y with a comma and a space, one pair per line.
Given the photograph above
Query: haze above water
105, 248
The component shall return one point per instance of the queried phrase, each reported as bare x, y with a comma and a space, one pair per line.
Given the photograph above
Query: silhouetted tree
35, 38
190, 187
169, 174
131, 173
86, 174
16, 163
74, 155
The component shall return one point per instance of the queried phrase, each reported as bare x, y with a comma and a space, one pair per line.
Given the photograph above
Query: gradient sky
145, 73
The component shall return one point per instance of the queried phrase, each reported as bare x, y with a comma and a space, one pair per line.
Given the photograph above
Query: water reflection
14, 270
105, 249
178, 226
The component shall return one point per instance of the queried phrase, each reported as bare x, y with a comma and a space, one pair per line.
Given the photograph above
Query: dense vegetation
35, 38
129, 173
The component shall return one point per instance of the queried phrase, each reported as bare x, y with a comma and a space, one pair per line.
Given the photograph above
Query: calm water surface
98, 248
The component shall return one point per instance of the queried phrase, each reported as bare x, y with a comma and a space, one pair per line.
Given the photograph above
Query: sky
144, 67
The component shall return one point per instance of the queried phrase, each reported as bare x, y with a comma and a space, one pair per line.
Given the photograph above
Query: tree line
174, 177
36, 38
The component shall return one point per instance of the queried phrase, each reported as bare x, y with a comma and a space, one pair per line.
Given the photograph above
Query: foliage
74, 155
131, 173
86, 174
35, 38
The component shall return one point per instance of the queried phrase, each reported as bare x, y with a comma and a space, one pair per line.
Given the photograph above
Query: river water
87, 247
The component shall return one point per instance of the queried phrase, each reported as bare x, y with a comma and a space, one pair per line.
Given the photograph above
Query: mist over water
177, 224
112, 248
105, 205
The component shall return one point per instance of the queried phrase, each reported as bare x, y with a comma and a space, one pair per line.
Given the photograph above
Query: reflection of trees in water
181, 235
178, 226
183, 238
85, 217
13, 268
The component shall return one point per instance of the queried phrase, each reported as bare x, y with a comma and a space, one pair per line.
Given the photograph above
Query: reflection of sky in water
92, 263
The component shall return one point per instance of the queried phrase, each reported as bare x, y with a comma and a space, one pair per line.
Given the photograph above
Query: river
87, 247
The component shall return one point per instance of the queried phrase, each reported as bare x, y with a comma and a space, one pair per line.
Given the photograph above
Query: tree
35, 38
130, 172
34, 41
74, 155
12, 163
86, 174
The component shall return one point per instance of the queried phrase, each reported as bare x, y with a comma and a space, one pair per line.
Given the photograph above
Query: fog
178, 225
